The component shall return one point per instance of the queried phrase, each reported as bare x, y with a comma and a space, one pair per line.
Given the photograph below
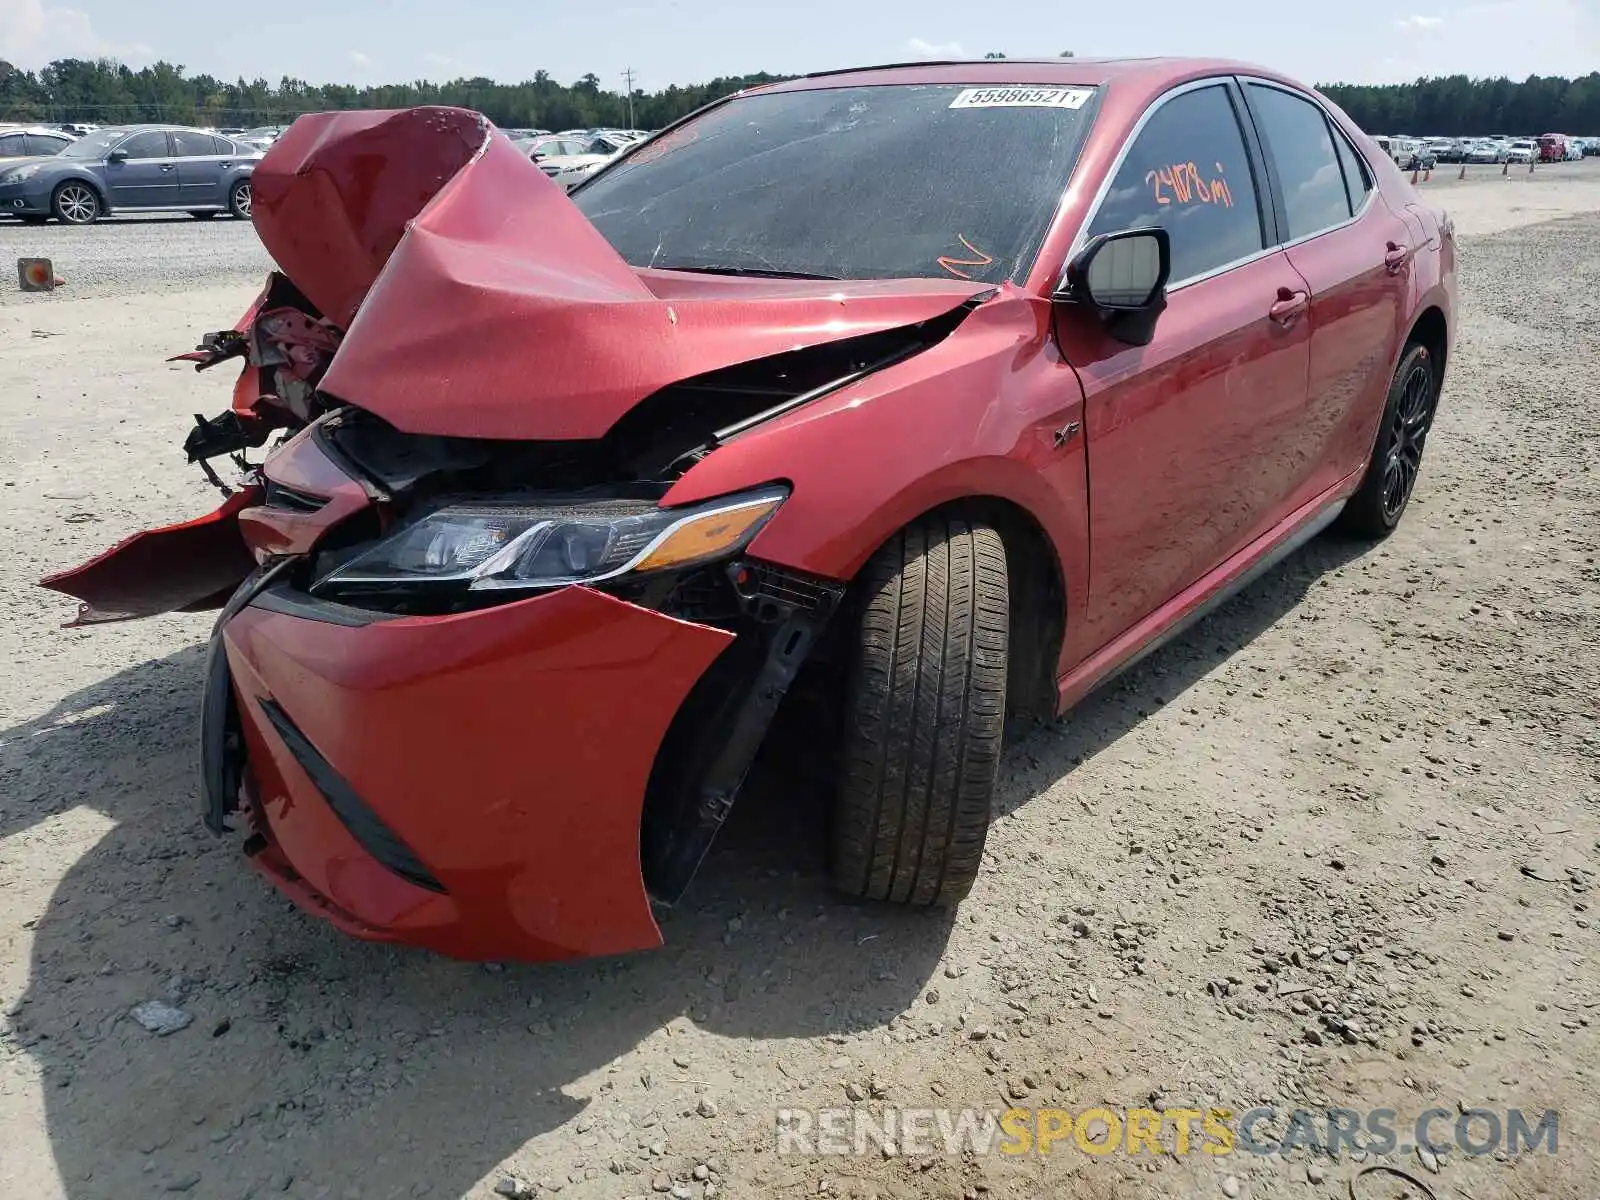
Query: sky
378, 41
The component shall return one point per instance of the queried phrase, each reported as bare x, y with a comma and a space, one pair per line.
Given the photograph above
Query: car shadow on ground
319, 1066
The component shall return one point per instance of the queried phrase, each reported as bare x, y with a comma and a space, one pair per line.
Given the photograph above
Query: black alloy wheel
1405, 436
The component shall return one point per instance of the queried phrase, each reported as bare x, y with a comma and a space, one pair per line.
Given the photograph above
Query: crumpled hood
479, 302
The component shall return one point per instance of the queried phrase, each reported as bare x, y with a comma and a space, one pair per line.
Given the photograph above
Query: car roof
1082, 72
34, 129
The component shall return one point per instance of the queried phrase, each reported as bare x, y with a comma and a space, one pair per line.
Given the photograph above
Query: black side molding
376, 838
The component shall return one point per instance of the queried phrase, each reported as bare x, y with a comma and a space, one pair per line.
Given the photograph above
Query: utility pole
628, 75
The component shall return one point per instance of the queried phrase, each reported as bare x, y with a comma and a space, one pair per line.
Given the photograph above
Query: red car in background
1553, 147
947, 389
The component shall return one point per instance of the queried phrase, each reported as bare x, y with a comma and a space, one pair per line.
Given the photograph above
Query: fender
994, 407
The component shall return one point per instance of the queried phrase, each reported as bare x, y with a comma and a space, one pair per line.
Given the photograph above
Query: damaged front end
480, 684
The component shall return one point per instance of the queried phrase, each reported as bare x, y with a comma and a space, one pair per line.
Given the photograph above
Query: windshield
890, 182
94, 145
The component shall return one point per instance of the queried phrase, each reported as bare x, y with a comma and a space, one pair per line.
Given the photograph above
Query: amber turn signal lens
708, 535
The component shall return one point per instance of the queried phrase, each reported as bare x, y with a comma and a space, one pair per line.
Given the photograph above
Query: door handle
1288, 307
166, 166
1396, 257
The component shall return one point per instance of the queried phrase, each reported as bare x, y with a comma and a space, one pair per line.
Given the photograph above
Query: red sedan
947, 389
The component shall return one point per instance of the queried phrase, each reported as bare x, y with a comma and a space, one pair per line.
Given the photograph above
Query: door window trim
1268, 190
1253, 152
1334, 131
138, 133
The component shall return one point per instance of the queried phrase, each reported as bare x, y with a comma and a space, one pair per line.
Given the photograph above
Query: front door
1188, 437
147, 177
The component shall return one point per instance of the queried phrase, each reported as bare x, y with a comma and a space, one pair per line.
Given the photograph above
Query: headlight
485, 547
18, 174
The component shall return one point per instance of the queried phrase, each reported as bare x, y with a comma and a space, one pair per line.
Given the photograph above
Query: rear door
148, 177
200, 168
47, 143
1189, 438
1355, 254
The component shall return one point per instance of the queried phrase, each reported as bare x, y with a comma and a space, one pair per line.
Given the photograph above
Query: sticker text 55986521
1022, 97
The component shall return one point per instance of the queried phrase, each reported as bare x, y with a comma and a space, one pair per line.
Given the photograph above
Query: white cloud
33, 35
1418, 24
927, 49
360, 61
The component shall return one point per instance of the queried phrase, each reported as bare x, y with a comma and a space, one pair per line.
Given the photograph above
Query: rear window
940, 181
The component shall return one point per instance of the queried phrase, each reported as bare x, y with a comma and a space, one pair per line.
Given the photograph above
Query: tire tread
927, 707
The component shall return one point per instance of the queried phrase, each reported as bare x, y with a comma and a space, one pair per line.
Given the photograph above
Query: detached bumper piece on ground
541, 549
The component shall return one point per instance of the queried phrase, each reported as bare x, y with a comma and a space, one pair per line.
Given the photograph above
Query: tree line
107, 92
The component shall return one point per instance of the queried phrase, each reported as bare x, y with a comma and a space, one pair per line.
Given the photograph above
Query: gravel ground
1336, 845
135, 255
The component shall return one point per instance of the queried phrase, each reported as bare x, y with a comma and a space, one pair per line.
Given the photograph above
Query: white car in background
1522, 150
569, 161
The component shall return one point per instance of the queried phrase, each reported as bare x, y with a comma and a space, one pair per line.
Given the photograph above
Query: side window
222, 146
1357, 175
151, 144
13, 145
1297, 137
1189, 173
43, 143
192, 145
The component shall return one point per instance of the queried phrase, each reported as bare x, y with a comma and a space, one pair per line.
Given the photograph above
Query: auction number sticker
1022, 97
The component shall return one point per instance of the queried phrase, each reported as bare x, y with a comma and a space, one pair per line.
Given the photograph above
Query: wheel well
98, 191
1038, 602
1430, 331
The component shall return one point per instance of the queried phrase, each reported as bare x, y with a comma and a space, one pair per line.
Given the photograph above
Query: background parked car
1522, 150
32, 141
131, 168
260, 138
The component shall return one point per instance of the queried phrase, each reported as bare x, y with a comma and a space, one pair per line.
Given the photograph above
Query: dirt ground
1335, 846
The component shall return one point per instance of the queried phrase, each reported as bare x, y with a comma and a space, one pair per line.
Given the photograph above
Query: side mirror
117, 156
1124, 277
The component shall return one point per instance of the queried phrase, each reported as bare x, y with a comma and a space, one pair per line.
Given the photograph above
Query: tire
1385, 491
240, 199
925, 715
76, 203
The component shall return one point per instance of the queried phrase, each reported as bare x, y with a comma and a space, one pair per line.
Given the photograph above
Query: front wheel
239, 200
76, 204
1377, 506
925, 715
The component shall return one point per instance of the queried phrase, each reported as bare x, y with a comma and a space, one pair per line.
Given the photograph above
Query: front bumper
24, 200
469, 783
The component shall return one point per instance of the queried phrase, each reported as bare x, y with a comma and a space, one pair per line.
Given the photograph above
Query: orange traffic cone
1463, 174
1414, 174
